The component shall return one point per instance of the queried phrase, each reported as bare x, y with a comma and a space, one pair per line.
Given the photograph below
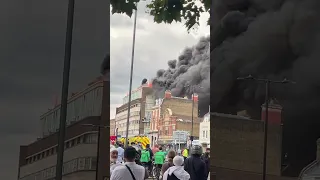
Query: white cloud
155, 45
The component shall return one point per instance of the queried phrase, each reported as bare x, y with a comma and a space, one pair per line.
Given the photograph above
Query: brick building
237, 146
176, 114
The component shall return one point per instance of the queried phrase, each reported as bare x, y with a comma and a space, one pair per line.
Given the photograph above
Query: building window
78, 140
87, 163
81, 163
74, 165
203, 134
72, 142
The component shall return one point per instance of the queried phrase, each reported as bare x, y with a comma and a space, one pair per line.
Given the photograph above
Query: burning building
190, 74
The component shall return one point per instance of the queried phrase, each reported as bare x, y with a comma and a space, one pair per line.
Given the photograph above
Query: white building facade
154, 122
121, 120
204, 132
149, 103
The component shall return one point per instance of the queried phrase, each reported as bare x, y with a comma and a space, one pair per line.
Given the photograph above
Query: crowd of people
138, 163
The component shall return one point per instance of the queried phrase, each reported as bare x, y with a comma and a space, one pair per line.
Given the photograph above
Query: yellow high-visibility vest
185, 153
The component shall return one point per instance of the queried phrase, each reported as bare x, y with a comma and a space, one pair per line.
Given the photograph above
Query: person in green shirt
159, 158
145, 157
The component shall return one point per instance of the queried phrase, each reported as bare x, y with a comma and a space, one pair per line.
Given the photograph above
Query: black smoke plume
191, 72
105, 66
270, 39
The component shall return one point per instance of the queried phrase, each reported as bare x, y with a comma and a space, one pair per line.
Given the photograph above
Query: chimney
195, 97
274, 112
167, 94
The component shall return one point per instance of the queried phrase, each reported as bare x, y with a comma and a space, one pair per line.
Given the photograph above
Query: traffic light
191, 138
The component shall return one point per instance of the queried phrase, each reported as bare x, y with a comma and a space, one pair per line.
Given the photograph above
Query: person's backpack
171, 177
145, 156
159, 158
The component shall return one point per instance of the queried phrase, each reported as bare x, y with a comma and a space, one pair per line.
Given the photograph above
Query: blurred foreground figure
129, 170
194, 165
113, 159
176, 172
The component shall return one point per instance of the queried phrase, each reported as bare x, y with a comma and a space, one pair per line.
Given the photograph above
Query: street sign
180, 136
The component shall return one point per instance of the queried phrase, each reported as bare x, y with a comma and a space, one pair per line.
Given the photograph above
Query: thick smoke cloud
190, 72
105, 66
270, 39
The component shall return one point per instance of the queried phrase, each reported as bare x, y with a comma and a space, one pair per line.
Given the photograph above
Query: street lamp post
131, 72
192, 98
192, 114
65, 89
98, 143
266, 122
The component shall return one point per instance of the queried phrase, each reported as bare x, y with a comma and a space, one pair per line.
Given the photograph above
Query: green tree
167, 11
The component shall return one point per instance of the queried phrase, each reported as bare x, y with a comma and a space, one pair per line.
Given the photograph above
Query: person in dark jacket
151, 157
194, 165
205, 157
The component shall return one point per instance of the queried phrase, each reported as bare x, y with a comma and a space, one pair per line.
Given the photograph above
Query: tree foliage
167, 11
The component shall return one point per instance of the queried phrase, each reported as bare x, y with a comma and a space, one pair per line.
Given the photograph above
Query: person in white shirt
120, 153
129, 170
177, 170
113, 159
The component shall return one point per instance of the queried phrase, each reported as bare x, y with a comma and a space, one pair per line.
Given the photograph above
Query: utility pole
65, 90
266, 122
192, 115
131, 73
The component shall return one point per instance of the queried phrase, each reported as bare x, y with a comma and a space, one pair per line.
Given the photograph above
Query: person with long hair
165, 166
